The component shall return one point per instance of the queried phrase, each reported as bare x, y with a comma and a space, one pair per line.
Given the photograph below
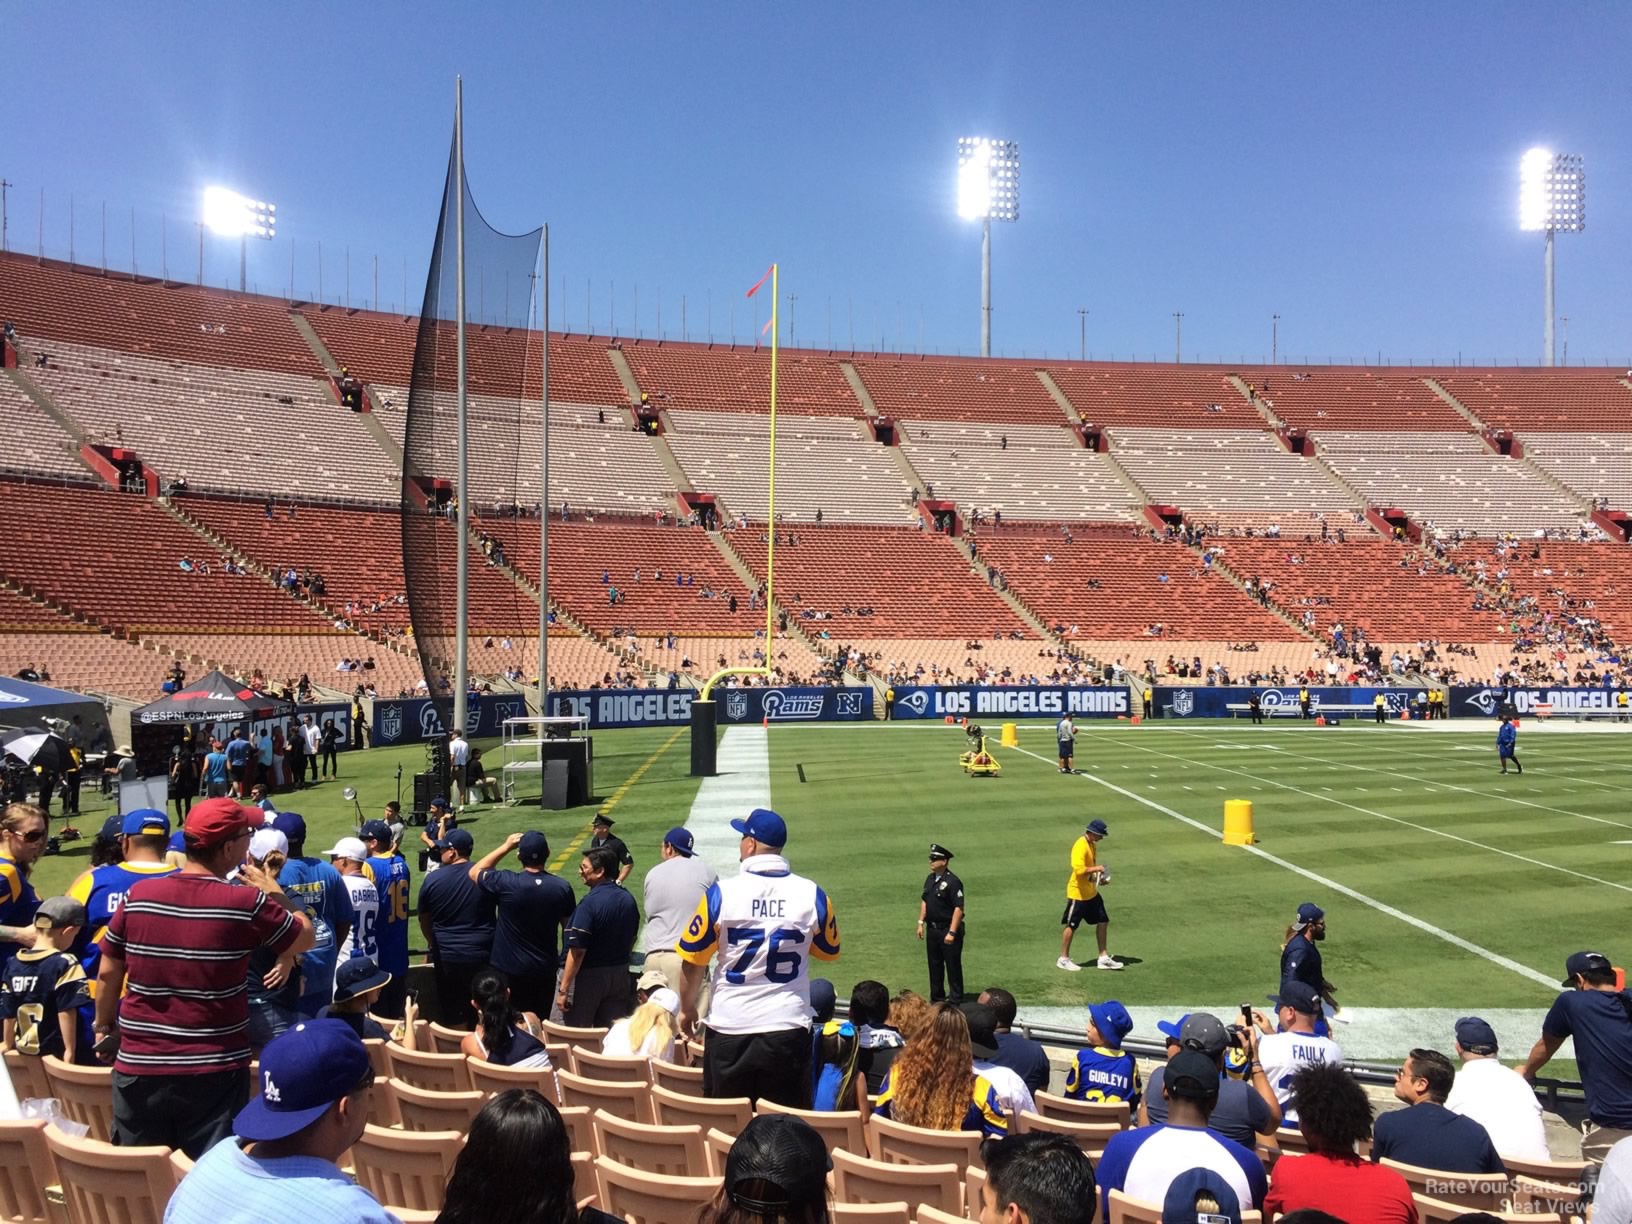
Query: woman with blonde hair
909, 1013
650, 1032
932, 1083
22, 840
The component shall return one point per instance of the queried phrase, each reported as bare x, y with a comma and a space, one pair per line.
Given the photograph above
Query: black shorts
237, 772
1091, 911
1066, 749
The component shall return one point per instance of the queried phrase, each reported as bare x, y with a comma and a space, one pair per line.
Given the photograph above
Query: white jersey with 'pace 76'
765, 923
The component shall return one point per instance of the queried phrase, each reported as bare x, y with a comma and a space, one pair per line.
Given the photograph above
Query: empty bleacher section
917, 584
1244, 471
84, 660
700, 657
1163, 397
288, 656
1338, 398
35, 444
1121, 587
1453, 481
739, 380
829, 464
943, 661
236, 430
50, 302
1542, 400
1025, 471
958, 389
1365, 582
1596, 465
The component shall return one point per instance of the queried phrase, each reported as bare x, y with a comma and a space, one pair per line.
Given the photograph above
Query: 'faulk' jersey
766, 924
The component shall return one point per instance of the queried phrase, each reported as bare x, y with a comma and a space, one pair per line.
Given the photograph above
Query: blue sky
1350, 167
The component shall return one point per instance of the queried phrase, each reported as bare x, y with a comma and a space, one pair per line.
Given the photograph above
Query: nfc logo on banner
849, 704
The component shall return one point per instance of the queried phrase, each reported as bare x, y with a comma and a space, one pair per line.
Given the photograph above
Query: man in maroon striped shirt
174, 975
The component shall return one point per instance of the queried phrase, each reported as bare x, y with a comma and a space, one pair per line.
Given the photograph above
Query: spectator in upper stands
595, 986
284, 1160
932, 1083
1014, 1051
181, 1067
1427, 1134
1496, 1097
518, 1141
1335, 1117
457, 919
1599, 1017
1037, 1179
1145, 1161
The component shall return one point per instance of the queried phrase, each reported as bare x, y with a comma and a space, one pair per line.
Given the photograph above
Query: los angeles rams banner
1013, 701
414, 719
608, 708
1201, 702
1486, 702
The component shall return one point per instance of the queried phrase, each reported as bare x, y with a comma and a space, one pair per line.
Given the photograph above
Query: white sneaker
1065, 962
1108, 962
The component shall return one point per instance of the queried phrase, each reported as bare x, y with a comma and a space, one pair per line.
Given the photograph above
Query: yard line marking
1496, 958
1399, 820
742, 784
1549, 759
605, 809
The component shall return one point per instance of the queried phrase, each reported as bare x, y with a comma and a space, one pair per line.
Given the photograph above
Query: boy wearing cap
183, 944
389, 871
42, 988
1295, 1045
1082, 900
1144, 1162
532, 910
1103, 1072
1496, 1097
348, 856
1599, 1017
284, 1161
672, 889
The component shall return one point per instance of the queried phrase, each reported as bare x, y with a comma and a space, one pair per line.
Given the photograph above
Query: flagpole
544, 503
461, 683
770, 544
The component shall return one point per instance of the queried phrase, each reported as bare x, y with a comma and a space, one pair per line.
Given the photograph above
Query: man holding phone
1247, 1109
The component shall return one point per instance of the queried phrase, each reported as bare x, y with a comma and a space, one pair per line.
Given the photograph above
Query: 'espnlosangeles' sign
1019, 701
608, 708
1475, 701
415, 719
1201, 702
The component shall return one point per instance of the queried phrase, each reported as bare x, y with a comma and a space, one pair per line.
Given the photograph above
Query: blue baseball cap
303, 1072
763, 825
1475, 1035
1299, 996
1111, 1019
1172, 1028
680, 838
376, 830
1099, 828
532, 849
292, 825
113, 828
145, 822
440, 801
457, 840
1179, 1205
1309, 912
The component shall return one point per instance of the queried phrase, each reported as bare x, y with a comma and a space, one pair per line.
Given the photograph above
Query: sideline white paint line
1373, 1033
1399, 820
1467, 790
1547, 758
1495, 958
742, 784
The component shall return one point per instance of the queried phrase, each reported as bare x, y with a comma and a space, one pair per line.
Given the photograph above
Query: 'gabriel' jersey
390, 876
766, 924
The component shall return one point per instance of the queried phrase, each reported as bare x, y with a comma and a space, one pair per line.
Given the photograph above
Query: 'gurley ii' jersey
766, 924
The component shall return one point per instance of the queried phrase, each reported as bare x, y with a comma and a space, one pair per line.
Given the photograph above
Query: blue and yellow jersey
102, 890
389, 874
36, 987
18, 901
985, 1113
1103, 1074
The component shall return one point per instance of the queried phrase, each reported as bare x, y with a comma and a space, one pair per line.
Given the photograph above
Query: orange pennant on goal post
760, 282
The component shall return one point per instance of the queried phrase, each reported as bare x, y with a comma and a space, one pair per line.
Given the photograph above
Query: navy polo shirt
532, 906
1600, 1022
1432, 1137
461, 915
604, 925
1026, 1058
1300, 962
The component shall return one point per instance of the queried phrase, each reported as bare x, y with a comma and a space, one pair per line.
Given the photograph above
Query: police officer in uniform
604, 837
940, 926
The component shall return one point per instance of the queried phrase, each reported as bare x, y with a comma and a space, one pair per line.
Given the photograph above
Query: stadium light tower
988, 190
236, 216
1552, 197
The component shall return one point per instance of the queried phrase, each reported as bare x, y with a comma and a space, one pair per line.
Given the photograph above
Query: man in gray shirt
1245, 1109
672, 890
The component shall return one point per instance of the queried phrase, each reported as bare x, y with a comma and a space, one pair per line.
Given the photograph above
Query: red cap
217, 821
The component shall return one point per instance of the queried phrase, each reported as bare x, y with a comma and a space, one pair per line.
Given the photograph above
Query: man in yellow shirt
1082, 900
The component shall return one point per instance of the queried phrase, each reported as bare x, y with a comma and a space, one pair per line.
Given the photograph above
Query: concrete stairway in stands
671, 465
1456, 405
1263, 409
860, 388
43, 401
371, 419
1479, 426
1240, 584
1018, 605
1059, 397
751, 580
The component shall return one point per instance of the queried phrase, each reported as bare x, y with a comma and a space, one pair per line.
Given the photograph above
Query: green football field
1446, 885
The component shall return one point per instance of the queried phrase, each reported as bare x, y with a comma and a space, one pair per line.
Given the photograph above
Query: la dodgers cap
763, 825
291, 824
1309, 912
1179, 1204
681, 839
303, 1072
